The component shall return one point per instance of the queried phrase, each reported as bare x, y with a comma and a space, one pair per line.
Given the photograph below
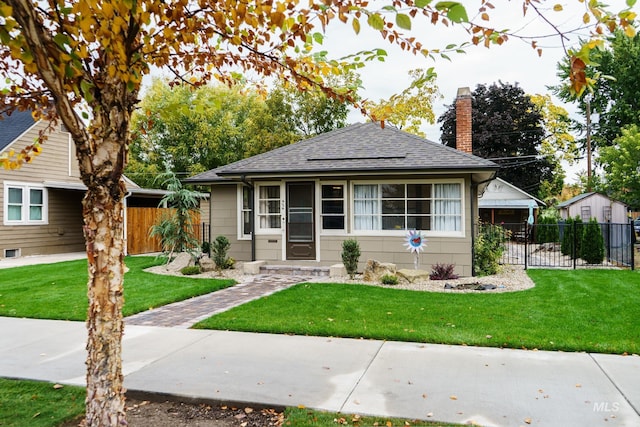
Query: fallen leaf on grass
57, 386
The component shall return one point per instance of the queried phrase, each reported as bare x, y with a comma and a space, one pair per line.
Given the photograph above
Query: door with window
300, 221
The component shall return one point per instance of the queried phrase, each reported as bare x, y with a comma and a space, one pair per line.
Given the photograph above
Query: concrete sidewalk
491, 387
40, 259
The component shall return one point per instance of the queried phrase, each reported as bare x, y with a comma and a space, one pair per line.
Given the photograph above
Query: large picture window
269, 207
408, 206
25, 204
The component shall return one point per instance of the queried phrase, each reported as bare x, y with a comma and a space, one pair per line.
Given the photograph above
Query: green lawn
302, 417
576, 310
59, 291
38, 404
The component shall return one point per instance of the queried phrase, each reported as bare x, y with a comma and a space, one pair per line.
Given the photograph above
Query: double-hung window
406, 206
333, 207
24, 204
269, 216
245, 212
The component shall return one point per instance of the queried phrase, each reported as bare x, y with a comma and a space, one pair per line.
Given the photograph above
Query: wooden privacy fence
140, 221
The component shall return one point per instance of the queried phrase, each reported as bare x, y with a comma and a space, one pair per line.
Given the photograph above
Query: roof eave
324, 172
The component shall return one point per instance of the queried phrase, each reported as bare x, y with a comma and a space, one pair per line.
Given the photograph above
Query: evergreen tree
508, 127
615, 99
592, 247
547, 230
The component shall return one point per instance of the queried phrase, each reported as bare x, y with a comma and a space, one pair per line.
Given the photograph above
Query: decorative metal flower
415, 242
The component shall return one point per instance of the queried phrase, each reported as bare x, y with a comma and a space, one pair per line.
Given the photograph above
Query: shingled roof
11, 127
356, 148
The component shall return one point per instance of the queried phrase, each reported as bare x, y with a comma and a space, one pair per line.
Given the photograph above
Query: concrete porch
290, 268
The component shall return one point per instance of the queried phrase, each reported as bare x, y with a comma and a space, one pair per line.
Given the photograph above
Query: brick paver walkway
185, 314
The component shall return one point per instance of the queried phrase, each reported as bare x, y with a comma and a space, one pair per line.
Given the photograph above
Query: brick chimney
463, 120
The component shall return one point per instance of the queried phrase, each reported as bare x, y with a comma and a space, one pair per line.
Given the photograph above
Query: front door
300, 224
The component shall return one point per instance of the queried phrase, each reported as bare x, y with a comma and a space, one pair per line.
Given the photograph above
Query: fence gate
558, 245
140, 220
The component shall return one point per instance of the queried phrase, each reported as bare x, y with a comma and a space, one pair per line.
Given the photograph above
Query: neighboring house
42, 201
503, 202
298, 203
594, 205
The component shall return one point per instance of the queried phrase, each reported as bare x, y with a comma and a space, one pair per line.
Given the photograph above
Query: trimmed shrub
573, 229
488, 249
350, 256
389, 279
206, 248
443, 272
190, 270
219, 250
592, 247
579, 227
567, 238
547, 230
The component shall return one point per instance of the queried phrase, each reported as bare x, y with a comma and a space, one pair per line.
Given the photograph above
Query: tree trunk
102, 159
103, 216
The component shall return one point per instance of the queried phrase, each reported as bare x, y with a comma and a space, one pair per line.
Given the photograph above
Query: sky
512, 62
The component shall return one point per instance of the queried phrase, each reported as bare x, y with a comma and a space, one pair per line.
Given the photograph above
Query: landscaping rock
374, 270
207, 264
547, 247
182, 260
413, 275
470, 287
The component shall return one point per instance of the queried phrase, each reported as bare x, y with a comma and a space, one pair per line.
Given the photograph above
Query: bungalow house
41, 202
594, 205
503, 202
298, 203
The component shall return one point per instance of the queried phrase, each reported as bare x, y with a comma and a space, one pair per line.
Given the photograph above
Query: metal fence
529, 245
204, 233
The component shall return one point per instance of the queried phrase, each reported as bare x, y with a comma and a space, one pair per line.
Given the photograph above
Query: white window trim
428, 233
25, 186
240, 200
345, 200
256, 207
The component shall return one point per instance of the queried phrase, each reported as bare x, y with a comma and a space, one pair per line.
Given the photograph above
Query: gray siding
224, 220
450, 250
63, 233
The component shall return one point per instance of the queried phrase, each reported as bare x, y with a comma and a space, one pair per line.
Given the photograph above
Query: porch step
295, 270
